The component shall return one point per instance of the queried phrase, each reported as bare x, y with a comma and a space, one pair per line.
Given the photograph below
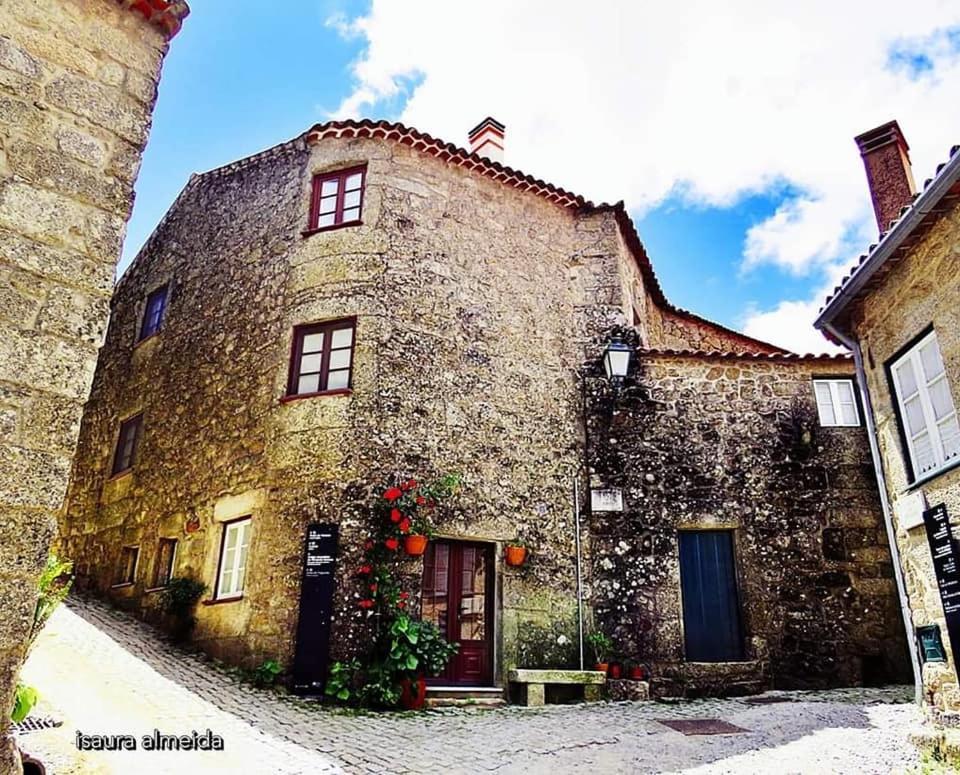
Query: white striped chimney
486, 139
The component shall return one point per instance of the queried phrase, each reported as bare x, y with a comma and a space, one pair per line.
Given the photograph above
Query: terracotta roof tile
772, 357
168, 15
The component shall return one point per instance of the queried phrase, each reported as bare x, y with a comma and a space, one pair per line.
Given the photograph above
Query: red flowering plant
400, 510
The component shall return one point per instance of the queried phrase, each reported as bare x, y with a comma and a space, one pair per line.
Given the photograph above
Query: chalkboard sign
316, 609
946, 568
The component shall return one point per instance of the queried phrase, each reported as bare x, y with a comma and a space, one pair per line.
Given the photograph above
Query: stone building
78, 81
365, 300
898, 311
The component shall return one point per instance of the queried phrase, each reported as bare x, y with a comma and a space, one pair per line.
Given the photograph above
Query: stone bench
534, 682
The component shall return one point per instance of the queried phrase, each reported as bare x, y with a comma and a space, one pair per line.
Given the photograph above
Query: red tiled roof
461, 157
770, 357
168, 15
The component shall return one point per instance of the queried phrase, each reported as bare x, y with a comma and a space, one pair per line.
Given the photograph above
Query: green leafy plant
24, 700
340, 681
178, 599
601, 645
267, 673
54, 585
402, 646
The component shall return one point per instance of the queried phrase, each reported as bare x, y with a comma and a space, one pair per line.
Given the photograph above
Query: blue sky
737, 163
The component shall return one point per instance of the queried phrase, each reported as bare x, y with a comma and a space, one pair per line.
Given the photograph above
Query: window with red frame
337, 198
322, 357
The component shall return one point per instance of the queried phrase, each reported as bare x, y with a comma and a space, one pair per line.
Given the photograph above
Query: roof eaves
911, 217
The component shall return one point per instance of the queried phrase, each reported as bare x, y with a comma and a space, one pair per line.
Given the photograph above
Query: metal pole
576, 523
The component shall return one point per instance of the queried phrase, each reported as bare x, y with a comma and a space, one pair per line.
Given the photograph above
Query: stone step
457, 696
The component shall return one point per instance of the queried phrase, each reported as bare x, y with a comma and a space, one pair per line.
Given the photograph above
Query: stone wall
77, 86
706, 442
919, 290
466, 355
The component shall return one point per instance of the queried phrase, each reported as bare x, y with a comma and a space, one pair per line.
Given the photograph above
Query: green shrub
54, 585
24, 700
267, 673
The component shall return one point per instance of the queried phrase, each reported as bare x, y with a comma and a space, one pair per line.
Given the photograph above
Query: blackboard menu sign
946, 568
316, 609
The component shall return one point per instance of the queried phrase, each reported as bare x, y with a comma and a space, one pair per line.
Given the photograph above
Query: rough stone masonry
78, 82
477, 294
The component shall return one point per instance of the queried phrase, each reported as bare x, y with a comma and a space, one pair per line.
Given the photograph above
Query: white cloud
636, 101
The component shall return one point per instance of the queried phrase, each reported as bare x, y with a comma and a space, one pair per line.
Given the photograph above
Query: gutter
904, 599
890, 243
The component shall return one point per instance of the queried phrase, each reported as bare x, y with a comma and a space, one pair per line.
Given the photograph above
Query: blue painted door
711, 604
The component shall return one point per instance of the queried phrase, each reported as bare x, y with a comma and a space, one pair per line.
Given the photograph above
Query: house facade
897, 310
366, 301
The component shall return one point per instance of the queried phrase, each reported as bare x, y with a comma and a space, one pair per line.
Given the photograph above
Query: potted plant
417, 650
515, 553
601, 645
178, 600
415, 541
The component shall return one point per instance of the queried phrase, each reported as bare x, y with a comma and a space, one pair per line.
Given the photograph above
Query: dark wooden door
711, 603
458, 598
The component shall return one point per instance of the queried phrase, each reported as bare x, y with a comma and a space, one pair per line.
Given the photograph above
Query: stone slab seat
534, 683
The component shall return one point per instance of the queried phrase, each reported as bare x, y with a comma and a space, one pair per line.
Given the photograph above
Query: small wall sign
609, 499
909, 509
931, 645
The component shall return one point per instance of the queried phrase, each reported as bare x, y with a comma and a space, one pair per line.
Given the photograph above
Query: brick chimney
486, 139
886, 158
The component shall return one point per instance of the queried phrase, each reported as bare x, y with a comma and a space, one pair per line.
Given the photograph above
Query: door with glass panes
458, 598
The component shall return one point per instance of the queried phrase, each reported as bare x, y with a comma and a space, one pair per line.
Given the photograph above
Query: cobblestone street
103, 672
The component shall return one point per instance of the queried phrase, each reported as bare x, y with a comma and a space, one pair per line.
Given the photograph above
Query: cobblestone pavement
104, 672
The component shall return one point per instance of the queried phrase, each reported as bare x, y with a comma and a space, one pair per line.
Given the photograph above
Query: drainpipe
854, 347
576, 522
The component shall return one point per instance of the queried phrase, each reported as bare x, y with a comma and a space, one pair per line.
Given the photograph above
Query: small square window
231, 571
166, 558
127, 566
128, 441
322, 357
153, 313
836, 402
337, 198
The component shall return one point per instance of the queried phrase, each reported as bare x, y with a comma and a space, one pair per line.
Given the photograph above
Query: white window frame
835, 403
931, 424
238, 562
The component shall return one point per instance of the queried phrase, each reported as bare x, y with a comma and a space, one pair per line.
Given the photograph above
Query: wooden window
163, 567
127, 566
927, 413
233, 559
337, 198
127, 442
322, 359
836, 402
153, 312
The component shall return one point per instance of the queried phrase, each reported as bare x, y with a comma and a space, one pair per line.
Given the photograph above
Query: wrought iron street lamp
616, 361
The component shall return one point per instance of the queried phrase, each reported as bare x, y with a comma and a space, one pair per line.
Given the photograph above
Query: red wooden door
458, 598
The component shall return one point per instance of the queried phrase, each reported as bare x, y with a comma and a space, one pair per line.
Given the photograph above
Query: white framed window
836, 402
233, 558
927, 412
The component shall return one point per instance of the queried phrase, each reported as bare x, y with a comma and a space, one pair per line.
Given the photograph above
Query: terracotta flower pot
413, 693
601, 666
515, 555
414, 544
615, 670
636, 673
